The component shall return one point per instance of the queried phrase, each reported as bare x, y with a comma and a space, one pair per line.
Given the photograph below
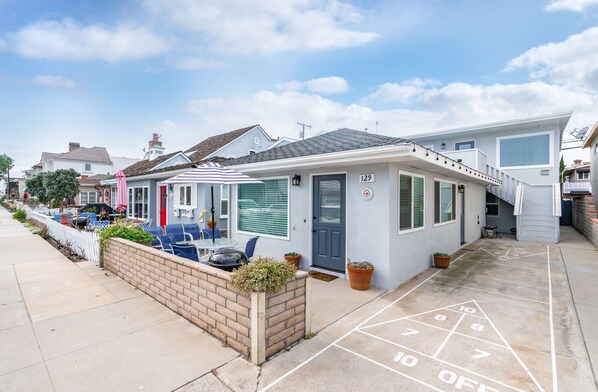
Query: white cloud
329, 85
326, 86
572, 63
570, 5
3, 44
403, 92
67, 40
168, 126
194, 63
53, 81
247, 27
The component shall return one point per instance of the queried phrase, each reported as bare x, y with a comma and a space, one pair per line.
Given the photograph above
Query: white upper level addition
85, 161
526, 148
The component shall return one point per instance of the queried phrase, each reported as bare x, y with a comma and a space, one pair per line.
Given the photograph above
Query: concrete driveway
501, 318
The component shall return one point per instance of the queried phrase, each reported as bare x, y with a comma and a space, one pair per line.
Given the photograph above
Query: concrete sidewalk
74, 327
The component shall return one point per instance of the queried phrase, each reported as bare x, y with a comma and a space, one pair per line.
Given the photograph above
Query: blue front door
328, 226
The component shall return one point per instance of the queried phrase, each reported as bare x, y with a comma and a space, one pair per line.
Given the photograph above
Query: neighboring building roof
49, 155
593, 134
334, 141
210, 145
93, 154
144, 166
579, 168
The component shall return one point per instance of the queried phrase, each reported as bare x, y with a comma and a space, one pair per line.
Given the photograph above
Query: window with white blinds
411, 202
444, 201
264, 208
523, 151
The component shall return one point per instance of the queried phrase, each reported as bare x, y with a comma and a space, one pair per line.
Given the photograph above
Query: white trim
161, 164
311, 214
288, 237
280, 140
453, 202
412, 229
132, 202
158, 176
550, 163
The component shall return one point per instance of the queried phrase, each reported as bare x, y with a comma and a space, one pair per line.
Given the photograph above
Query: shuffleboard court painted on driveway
499, 319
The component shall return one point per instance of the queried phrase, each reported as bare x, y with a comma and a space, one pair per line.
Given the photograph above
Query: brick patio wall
256, 324
585, 217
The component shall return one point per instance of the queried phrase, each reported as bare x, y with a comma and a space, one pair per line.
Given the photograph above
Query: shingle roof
49, 155
334, 141
213, 143
144, 166
93, 154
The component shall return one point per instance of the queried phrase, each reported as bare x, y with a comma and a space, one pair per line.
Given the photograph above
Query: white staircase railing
508, 190
518, 206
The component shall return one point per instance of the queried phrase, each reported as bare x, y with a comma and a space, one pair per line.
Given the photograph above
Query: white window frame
586, 175
288, 237
224, 193
130, 208
454, 220
87, 195
85, 168
465, 141
497, 207
409, 174
522, 135
188, 204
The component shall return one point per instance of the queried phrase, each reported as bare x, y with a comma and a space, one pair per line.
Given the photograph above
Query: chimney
576, 162
73, 146
155, 148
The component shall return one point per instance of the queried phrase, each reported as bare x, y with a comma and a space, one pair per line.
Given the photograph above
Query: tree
61, 184
561, 169
6, 163
35, 187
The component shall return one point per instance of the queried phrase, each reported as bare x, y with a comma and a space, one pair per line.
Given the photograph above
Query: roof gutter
388, 153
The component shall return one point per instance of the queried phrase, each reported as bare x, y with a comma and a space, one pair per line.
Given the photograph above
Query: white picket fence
85, 244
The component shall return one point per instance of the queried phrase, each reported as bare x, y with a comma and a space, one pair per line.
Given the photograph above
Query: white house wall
79, 166
241, 146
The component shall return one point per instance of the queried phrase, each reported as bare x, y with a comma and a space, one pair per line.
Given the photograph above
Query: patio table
211, 245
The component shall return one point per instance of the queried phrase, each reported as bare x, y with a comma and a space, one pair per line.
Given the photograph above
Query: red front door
163, 202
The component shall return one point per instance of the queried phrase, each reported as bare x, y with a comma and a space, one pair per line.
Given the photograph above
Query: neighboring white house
524, 155
591, 142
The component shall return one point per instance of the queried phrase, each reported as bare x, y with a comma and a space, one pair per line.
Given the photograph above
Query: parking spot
484, 324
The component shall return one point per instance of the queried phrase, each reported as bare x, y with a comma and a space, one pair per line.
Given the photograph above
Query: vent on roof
73, 146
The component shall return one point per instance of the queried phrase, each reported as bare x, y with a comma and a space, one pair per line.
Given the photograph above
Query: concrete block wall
585, 217
203, 295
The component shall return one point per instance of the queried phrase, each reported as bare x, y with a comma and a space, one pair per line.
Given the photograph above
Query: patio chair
193, 229
156, 231
145, 224
166, 242
207, 233
186, 251
178, 232
250, 248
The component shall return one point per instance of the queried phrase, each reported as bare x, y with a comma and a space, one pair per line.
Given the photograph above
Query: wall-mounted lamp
443, 146
296, 180
170, 192
461, 188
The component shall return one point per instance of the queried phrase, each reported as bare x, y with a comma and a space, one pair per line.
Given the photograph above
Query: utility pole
302, 132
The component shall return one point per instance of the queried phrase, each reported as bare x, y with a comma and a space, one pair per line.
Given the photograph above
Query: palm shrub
264, 274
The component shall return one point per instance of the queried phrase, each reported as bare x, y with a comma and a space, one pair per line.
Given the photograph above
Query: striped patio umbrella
212, 173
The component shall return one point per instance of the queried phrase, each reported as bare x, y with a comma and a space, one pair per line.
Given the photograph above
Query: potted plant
211, 223
263, 274
442, 260
360, 274
293, 258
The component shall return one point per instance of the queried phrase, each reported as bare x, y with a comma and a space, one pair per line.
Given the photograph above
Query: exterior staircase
537, 207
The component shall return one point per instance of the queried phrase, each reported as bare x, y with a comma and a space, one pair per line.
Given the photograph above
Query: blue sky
110, 73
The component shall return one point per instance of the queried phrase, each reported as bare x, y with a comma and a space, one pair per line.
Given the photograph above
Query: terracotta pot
295, 260
359, 278
210, 224
442, 261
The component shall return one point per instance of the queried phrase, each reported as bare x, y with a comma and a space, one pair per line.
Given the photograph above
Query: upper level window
532, 150
468, 145
444, 201
411, 202
87, 167
583, 175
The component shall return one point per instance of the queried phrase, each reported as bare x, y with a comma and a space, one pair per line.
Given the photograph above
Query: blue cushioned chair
178, 232
207, 233
166, 242
156, 231
186, 251
193, 229
250, 248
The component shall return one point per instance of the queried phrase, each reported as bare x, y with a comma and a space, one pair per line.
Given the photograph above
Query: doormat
471, 247
321, 276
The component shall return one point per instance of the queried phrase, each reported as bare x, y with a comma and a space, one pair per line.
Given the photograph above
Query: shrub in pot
442, 260
360, 274
293, 258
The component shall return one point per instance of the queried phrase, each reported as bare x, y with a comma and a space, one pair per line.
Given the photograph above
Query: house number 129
367, 178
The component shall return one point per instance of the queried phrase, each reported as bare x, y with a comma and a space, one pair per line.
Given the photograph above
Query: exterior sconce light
170, 192
443, 146
461, 188
296, 180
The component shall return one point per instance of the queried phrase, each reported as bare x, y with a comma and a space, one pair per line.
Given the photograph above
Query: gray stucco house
591, 142
353, 195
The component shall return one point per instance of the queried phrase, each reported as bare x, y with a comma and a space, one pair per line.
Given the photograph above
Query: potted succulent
293, 258
442, 260
360, 274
